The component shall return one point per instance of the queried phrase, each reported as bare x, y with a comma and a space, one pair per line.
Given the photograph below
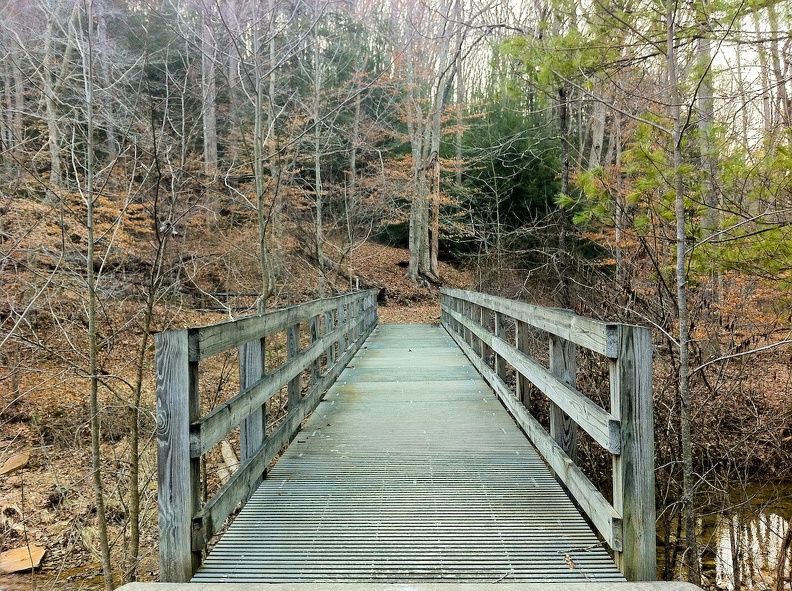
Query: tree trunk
688, 510
782, 98
108, 116
93, 333
267, 280
767, 108
318, 196
562, 259
51, 111
208, 89
597, 134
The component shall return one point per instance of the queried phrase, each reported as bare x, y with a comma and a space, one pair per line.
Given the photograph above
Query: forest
173, 163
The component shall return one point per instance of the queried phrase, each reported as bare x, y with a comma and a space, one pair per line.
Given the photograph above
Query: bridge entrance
409, 470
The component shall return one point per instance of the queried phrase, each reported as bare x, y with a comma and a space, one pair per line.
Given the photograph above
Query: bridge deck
410, 470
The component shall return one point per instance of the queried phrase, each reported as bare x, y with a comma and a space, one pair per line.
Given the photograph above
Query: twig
511, 572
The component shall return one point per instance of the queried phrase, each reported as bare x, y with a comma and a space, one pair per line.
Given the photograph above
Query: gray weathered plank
400, 476
216, 338
177, 495
604, 517
292, 350
597, 422
500, 332
592, 334
633, 470
251, 369
212, 427
563, 365
243, 482
522, 341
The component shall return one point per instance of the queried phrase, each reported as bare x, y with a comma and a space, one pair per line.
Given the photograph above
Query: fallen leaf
15, 463
569, 561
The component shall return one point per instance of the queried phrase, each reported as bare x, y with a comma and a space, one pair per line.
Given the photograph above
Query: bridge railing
478, 324
338, 326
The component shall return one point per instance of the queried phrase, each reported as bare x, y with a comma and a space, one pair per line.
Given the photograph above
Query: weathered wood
500, 332
241, 484
252, 430
591, 334
633, 470
184, 436
316, 367
178, 473
292, 349
330, 327
597, 422
476, 336
604, 517
216, 338
563, 365
213, 427
486, 323
522, 344
341, 320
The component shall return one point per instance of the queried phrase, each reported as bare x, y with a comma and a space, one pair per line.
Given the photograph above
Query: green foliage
513, 166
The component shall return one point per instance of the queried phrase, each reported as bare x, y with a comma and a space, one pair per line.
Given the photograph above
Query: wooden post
341, 320
486, 322
633, 469
521, 342
352, 320
563, 366
500, 332
329, 327
475, 315
316, 367
361, 316
179, 475
292, 348
252, 431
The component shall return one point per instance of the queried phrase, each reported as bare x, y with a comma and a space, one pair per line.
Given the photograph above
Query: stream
754, 530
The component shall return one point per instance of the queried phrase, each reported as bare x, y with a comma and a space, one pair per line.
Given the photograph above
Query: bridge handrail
338, 326
477, 322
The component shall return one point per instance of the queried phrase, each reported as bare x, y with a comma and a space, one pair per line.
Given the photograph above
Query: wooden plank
329, 327
316, 367
563, 366
633, 470
500, 332
591, 334
240, 486
468, 498
341, 320
604, 517
178, 474
216, 338
597, 422
486, 323
292, 350
213, 427
522, 342
476, 336
252, 430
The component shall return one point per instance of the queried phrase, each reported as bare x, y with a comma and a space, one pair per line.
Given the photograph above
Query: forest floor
49, 501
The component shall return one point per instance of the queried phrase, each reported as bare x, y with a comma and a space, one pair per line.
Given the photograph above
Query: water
748, 539
758, 547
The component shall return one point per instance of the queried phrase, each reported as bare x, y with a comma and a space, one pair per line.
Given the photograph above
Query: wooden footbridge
410, 455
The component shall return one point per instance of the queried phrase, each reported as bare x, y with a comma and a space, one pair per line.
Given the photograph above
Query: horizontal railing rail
478, 322
338, 326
